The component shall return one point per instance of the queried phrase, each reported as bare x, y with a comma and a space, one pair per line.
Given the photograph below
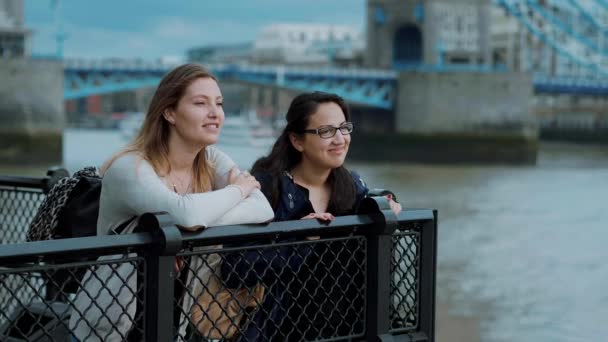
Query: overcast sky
153, 28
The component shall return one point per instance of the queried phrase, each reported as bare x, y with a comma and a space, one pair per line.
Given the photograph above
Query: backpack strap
121, 228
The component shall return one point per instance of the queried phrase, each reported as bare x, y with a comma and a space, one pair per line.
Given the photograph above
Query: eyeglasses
328, 131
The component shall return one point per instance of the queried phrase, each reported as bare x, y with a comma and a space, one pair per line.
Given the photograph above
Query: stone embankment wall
460, 117
31, 111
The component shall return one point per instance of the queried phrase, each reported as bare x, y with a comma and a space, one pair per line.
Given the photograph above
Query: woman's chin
336, 163
208, 141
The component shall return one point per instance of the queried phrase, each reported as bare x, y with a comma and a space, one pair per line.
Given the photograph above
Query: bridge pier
270, 101
31, 111
457, 117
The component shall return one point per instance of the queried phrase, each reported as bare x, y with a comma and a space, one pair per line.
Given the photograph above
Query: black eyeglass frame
347, 125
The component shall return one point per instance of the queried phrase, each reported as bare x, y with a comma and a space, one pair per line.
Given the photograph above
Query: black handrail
38, 183
97, 245
23, 182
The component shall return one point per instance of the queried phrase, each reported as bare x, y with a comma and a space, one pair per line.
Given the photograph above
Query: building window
379, 15
419, 12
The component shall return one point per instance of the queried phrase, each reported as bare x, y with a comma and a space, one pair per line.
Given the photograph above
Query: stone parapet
32, 115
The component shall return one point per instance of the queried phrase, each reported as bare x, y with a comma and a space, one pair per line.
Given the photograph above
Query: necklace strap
174, 182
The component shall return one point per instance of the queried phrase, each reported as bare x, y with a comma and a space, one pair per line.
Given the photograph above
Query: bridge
369, 87
573, 31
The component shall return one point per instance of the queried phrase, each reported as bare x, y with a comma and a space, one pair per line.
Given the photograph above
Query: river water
521, 248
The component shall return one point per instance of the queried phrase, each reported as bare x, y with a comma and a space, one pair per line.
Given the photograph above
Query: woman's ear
169, 115
296, 142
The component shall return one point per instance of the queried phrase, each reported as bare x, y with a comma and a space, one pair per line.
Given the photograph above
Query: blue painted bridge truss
83, 78
373, 88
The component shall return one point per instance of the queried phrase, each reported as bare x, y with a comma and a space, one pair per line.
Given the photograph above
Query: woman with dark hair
310, 153
303, 177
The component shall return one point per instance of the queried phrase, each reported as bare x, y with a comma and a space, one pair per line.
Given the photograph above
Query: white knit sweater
131, 187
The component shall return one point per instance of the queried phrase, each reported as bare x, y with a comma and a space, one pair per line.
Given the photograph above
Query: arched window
407, 46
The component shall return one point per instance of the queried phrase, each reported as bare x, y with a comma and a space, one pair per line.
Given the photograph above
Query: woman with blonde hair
171, 167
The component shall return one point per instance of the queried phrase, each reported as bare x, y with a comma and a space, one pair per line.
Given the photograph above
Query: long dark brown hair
284, 157
152, 141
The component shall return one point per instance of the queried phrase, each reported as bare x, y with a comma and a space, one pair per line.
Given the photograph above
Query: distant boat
240, 130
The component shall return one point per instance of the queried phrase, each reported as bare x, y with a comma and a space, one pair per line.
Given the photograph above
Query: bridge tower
451, 103
404, 33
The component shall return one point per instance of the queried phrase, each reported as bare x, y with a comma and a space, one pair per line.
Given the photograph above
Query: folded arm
133, 183
253, 209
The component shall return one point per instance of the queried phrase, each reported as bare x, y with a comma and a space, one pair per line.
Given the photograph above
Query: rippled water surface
521, 249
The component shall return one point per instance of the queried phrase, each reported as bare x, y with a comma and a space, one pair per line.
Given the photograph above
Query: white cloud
171, 36
100, 42
203, 30
177, 28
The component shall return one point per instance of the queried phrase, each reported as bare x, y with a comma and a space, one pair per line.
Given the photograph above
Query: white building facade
308, 44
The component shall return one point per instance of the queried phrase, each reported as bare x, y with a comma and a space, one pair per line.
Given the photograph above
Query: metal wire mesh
92, 301
310, 290
405, 269
17, 209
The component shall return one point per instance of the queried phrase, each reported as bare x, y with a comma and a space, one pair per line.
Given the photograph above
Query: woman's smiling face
199, 114
324, 153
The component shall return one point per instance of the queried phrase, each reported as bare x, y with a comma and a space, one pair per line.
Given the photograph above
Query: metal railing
20, 198
367, 277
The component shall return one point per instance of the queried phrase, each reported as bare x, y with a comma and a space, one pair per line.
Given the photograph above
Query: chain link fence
405, 269
97, 300
17, 209
307, 290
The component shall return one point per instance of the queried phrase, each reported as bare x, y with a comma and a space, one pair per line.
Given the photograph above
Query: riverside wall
31, 111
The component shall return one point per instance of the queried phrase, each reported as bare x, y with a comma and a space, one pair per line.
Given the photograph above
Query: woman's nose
339, 137
213, 111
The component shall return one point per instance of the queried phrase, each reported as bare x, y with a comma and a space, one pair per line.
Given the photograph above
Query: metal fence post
380, 249
428, 270
159, 277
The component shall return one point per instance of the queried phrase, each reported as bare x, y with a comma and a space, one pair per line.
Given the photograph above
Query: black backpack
70, 209
79, 215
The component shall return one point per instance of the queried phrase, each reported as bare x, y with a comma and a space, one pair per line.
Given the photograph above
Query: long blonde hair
152, 141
